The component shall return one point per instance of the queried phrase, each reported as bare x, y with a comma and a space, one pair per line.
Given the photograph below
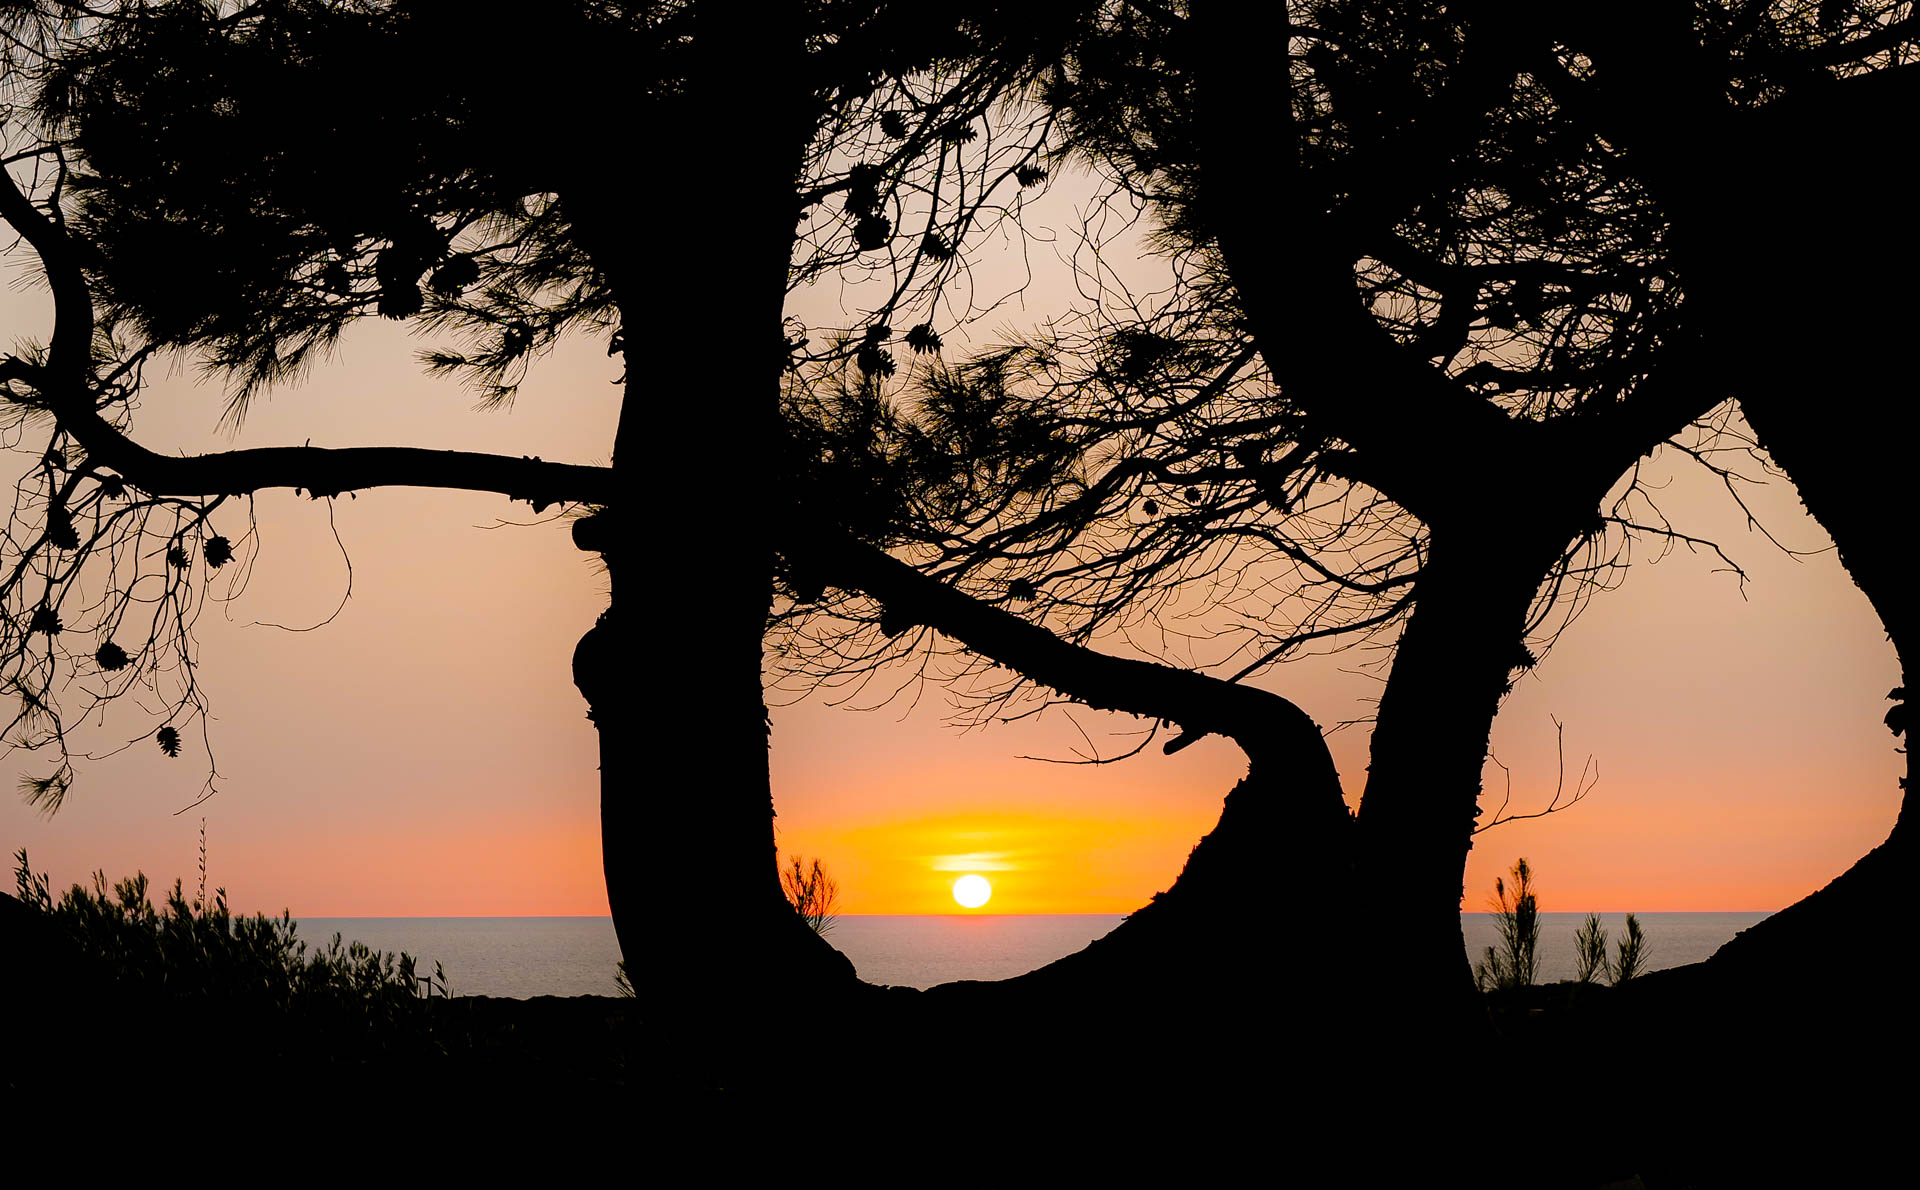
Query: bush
201, 960
1512, 964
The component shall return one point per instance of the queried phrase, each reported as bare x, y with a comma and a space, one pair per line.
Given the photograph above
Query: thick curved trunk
1858, 485
1285, 839
1791, 223
1232, 929
1825, 373
1241, 968
1222, 950
1846, 334
1283, 833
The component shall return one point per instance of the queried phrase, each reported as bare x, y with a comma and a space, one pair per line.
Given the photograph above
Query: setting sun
972, 891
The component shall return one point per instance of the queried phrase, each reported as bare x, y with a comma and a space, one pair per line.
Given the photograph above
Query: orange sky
1741, 761
426, 754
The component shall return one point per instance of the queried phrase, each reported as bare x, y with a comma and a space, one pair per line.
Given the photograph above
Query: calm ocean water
575, 956
1674, 939
492, 956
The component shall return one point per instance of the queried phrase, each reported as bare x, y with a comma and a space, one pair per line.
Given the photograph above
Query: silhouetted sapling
1590, 950
811, 892
1631, 959
1512, 964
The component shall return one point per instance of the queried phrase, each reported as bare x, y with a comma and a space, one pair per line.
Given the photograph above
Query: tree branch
1269, 728
66, 383
1418, 428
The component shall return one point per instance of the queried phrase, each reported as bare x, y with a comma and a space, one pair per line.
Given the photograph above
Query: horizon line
1106, 913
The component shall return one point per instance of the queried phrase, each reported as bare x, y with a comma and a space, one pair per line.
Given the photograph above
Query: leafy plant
1590, 951
1631, 959
811, 892
1513, 964
346, 998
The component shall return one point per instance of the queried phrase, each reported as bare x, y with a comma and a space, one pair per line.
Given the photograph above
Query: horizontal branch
321, 471
66, 384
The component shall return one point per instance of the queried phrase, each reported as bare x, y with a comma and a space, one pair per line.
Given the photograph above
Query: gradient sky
427, 754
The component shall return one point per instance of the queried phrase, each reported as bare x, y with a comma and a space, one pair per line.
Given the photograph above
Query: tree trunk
1789, 222
1846, 333
1412, 434
1417, 816
1239, 941
697, 255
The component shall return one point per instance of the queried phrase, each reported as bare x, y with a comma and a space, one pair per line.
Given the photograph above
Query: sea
576, 956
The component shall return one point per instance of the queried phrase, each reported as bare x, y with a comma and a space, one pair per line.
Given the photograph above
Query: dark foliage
336, 1002
243, 201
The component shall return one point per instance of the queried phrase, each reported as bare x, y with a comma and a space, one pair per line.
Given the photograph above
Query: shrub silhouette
200, 960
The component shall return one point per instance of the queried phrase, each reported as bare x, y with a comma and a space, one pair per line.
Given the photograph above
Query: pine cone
60, 530
873, 231
168, 739
219, 552
111, 657
863, 189
923, 339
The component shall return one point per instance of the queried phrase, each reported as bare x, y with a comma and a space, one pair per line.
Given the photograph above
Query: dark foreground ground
1682, 1079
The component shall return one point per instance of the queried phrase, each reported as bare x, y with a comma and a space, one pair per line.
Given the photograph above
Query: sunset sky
427, 754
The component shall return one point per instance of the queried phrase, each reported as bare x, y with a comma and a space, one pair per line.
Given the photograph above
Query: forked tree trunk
1486, 562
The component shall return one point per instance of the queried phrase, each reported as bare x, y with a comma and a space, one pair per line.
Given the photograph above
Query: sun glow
972, 891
